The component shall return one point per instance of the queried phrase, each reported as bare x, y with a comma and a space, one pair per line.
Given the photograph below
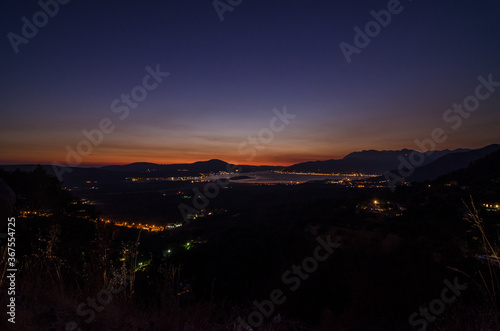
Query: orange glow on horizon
182, 161
105, 161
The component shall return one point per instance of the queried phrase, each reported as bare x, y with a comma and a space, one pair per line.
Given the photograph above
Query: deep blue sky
226, 77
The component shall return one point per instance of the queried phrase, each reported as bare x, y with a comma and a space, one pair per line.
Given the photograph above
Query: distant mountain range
167, 170
371, 161
482, 174
434, 164
114, 173
450, 162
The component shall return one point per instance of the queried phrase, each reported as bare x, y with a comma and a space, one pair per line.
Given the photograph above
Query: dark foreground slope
450, 162
217, 269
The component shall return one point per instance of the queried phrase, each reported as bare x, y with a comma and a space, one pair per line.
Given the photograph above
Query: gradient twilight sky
227, 77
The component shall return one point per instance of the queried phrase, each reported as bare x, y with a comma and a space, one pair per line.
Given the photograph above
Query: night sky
226, 77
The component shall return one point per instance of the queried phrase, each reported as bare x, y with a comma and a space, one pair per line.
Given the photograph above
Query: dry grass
490, 282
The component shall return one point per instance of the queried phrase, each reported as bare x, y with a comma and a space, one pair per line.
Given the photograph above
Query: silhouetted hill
252, 168
195, 168
117, 173
83, 175
450, 162
133, 167
480, 173
436, 164
213, 165
166, 170
74, 173
368, 161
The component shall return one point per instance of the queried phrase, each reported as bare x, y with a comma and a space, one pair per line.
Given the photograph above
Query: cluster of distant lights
201, 177
356, 183
193, 179
30, 213
140, 226
164, 179
324, 174
381, 207
187, 246
27, 213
